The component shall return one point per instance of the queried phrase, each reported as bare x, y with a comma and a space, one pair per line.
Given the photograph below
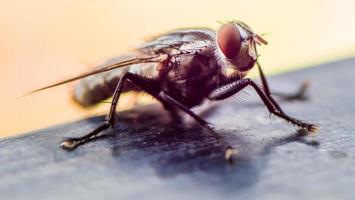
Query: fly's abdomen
93, 89
96, 88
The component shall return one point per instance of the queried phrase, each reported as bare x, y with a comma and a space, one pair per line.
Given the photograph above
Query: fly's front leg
72, 143
299, 95
270, 103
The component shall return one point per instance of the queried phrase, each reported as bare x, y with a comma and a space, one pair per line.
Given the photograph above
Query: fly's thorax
190, 66
189, 77
147, 70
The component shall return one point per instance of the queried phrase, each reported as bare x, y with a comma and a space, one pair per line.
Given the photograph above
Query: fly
181, 69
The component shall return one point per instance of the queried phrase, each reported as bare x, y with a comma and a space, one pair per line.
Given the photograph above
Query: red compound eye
229, 40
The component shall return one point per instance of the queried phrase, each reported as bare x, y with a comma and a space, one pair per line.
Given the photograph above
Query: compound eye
229, 40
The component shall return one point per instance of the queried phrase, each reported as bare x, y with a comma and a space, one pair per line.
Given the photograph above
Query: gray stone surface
146, 158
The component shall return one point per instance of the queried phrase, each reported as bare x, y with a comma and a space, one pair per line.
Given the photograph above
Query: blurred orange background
45, 41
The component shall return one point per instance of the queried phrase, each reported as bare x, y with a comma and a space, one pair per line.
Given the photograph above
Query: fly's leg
228, 150
151, 87
270, 103
143, 83
185, 109
299, 95
173, 111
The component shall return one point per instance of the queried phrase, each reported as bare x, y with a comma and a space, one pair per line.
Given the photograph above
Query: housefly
181, 69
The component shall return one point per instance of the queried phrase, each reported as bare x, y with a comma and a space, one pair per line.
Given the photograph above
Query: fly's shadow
146, 136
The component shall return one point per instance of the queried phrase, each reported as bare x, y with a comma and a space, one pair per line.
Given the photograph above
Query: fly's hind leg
300, 94
153, 88
147, 85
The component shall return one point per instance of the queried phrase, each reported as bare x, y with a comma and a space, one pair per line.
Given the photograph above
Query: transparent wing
200, 37
106, 67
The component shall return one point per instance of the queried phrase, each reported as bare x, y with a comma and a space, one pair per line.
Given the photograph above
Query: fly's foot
229, 155
70, 143
311, 128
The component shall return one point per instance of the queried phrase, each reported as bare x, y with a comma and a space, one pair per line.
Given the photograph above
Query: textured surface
146, 158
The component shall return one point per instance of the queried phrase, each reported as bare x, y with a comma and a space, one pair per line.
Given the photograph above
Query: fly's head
236, 45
